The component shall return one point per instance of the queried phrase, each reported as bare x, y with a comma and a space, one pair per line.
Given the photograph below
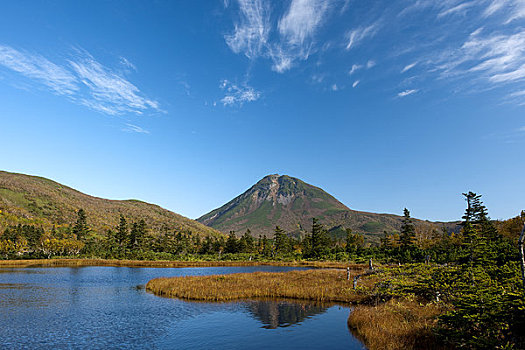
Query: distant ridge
37, 200
291, 203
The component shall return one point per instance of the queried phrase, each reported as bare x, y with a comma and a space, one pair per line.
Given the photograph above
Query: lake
108, 308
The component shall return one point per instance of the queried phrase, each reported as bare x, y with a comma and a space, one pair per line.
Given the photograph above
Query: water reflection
74, 307
280, 313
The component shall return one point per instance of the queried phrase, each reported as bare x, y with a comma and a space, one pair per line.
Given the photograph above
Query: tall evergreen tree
248, 242
81, 229
480, 237
132, 239
266, 248
408, 231
141, 234
319, 240
281, 240
232, 244
121, 236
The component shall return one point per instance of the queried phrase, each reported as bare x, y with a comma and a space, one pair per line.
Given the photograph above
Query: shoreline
396, 324
322, 285
169, 263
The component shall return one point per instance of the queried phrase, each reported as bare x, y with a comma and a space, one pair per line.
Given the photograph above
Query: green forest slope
28, 199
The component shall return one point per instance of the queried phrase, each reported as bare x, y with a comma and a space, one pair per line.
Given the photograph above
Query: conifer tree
248, 242
408, 231
266, 247
231, 243
141, 233
121, 235
281, 240
81, 229
319, 240
132, 239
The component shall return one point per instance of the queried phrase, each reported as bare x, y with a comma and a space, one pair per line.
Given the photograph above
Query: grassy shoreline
400, 323
396, 324
168, 263
324, 285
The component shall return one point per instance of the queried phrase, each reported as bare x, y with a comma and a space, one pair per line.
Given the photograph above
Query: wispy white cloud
108, 91
491, 56
517, 74
458, 9
370, 64
511, 9
408, 67
83, 80
126, 63
238, 95
415, 6
135, 128
501, 58
302, 20
355, 83
355, 68
251, 32
356, 36
36, 67
522, 129
407, 93
297, 28
295, 31
282, 58
518, 93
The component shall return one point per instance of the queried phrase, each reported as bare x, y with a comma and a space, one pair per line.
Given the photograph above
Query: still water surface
108, 308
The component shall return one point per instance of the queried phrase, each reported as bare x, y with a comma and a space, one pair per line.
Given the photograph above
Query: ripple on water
108, 308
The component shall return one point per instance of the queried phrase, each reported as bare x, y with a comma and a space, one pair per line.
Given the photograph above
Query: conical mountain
291, 204
26, 199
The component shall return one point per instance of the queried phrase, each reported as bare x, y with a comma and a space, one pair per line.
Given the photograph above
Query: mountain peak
288, 202
274, 200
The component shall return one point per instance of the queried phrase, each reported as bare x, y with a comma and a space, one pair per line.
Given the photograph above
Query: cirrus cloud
82, 79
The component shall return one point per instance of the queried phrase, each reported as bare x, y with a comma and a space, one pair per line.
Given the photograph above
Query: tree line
135, 240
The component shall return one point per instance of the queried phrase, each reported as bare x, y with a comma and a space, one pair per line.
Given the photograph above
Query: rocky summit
291, 204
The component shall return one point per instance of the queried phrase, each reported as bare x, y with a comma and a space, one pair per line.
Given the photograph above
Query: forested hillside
36, 200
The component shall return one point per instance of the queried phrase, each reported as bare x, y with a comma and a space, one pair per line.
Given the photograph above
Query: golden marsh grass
396, 325
323, 285
166, 263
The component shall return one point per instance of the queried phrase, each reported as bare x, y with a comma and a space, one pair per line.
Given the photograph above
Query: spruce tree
249, 242
141, 234
281, 240
231, 243
132, 239
121, 235
266, 247
81, 229
408, 231
319, 240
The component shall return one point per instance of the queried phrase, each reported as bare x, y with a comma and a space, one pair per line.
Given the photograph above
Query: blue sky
186, 104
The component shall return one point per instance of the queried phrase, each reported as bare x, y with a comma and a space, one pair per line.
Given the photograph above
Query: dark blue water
108, 308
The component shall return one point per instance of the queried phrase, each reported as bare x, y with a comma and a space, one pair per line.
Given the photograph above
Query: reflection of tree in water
275, 314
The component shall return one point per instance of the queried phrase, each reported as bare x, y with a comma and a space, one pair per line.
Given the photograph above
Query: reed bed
168, 263
396, 325
323, 285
